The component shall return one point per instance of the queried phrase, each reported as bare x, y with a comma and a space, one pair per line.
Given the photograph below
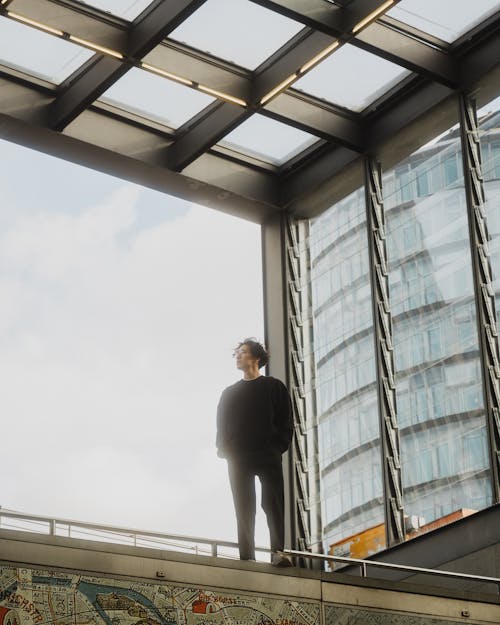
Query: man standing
254, 429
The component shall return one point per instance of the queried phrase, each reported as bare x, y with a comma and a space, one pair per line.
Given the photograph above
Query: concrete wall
59, 581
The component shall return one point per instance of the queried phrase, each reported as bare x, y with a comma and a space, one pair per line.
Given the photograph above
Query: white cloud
115, 345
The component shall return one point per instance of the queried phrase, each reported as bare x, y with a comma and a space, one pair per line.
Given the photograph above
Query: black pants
242, 472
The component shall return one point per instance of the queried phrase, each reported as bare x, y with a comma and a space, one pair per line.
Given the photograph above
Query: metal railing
412, 570
20, 521
51, 526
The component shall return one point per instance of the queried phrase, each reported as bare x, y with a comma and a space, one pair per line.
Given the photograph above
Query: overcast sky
120, 309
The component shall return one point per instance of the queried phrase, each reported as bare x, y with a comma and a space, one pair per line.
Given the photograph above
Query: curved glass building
443, 437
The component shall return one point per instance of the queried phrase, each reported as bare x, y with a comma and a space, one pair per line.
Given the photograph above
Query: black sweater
254, 416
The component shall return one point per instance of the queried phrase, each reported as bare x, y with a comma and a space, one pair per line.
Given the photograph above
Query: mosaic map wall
40, 597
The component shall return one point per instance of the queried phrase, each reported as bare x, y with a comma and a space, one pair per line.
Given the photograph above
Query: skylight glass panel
268, 140
127, 9
37, 53
446, 19
156, 98
238, 31
351, 78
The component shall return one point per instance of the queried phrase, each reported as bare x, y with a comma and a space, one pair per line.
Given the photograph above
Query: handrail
179, 542
56, 525
364, 564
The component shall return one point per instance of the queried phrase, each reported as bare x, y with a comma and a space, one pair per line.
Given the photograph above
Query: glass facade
443, 434
348, 430
444, 447
489, 132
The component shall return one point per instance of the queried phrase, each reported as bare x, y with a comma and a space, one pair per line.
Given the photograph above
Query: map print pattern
338, 615
41, 597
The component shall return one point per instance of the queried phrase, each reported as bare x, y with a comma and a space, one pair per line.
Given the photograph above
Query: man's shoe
278, 558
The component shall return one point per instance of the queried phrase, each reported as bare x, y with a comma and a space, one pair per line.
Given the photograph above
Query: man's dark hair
256, 349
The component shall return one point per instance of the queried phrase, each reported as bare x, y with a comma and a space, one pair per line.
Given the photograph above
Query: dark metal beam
287, 61
224, 117
418, 99
294, 233
210, 126
148, 31
181, 60
276, 338
316, 172
298, 110
483, 57
93, 80
378, 38
334, 20
384, 355
233, 198
308, 12
375, 129
393, 45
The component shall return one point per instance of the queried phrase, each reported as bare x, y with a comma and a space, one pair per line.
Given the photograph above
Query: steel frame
483, 283
295, 262
67, 121
384, 356
192, 150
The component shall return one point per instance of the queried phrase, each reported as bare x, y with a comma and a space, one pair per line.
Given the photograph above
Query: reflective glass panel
446, 19
37, 53
268, 139
236, 30
442, 424
351, 484
127, 9
489, 132
332, 80
156, 97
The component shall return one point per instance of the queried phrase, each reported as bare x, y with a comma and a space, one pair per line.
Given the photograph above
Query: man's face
244, 358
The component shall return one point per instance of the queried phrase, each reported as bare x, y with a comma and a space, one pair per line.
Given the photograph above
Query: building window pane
346, 399
442, 426
489, 132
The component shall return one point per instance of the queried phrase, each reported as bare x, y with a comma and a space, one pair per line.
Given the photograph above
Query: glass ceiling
127, 9
269, 140
156, 97
332, 80
238, 31
447, 19
39, 53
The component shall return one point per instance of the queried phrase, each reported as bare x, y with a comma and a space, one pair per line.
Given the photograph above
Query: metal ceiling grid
70, 119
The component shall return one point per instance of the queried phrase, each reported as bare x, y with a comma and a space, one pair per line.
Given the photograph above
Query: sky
121, 307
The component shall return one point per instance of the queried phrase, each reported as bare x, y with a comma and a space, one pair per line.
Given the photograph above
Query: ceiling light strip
60, 33
165, 74
222, 95
39, 25
281, 87
305, 68
372, 16
190, 83
319, 57
96, 47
